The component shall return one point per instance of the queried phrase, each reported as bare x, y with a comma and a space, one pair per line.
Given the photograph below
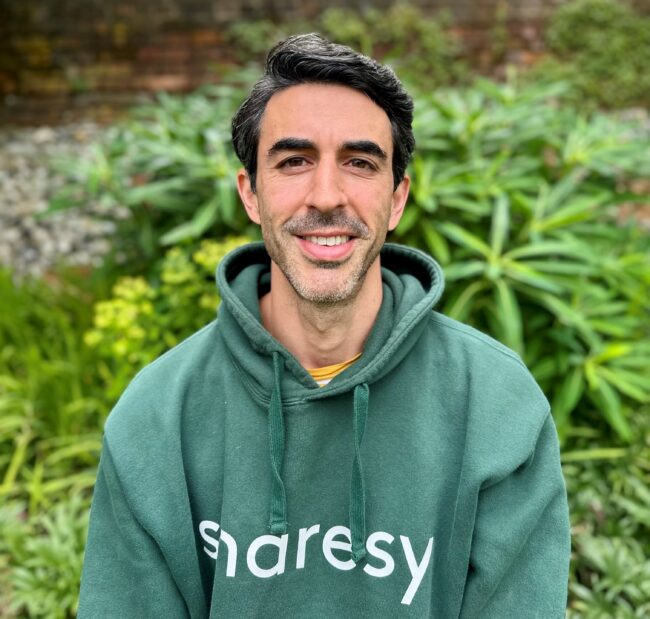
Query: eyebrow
361, 146
366, 146
290, 144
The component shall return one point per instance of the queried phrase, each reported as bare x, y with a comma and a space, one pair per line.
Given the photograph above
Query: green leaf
194, 228
475, 206
548, 248
567, 396
520, 272
574, 212
593, 454
555, 267
18, 457
500, 224
82, 449
620, 380
462, 304
613, 350
227, 205
465, 239
436, 243
569, 316
609, 404
509, 316
608, 327
463, 270
154, 191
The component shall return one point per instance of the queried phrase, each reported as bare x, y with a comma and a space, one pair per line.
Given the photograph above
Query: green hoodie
424, 480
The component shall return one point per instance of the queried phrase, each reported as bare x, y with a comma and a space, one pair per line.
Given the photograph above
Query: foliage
402, 35
51, 411
143, 318
171, 166
603, 48
41, 560
610, 513
517, 200
51, 403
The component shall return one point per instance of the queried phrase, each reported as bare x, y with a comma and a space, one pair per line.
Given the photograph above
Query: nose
326, 188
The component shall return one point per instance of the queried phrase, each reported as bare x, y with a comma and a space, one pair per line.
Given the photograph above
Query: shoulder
480, 356
463, 337
155, 398
503, 408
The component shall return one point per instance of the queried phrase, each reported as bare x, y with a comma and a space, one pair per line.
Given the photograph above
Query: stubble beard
346, 290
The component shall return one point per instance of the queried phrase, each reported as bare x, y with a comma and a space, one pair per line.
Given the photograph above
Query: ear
400, 195
248, 196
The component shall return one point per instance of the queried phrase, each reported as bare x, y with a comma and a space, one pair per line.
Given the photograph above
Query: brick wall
60, 56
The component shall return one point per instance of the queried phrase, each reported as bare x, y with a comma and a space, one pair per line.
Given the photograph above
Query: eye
362, 164
293, 162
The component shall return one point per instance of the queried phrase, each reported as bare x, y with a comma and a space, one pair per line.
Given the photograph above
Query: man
330, 446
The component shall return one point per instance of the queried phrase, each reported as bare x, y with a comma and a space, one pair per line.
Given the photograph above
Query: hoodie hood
412, 284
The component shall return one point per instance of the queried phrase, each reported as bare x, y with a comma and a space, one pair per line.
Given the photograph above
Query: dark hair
309, 59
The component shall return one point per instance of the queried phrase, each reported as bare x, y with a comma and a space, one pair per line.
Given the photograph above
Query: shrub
610, 518
51, 411
41, 559
56, 387
145, 318
171, 166
602, 47
51, 402
517, 199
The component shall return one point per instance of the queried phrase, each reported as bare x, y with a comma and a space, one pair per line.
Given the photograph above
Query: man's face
324, 195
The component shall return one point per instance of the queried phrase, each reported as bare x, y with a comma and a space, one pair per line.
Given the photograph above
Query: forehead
326, 114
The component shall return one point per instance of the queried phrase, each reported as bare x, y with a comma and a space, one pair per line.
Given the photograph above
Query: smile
330, 241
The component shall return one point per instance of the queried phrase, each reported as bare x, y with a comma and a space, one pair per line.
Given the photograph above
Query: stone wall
60, 56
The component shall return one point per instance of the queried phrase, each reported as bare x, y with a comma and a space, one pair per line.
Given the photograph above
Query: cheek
284, 191
372, 204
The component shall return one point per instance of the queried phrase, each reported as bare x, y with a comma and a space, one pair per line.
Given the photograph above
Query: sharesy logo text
336, 538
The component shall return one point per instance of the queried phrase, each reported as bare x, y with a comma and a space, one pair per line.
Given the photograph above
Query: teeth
330, 241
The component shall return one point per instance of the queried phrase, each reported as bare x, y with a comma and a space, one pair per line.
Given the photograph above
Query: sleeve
124, 572
519, 560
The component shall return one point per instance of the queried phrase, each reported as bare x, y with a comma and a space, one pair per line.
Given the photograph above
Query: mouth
329, 241
326, 247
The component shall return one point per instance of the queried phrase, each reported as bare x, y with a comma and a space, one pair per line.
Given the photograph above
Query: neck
321, 335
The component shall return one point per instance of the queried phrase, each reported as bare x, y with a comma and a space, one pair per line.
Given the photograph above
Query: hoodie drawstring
357, 491
278, 513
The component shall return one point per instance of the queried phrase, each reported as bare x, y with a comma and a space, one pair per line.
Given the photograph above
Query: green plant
51, 401
601, 47
51, 410
610, 514
145, 318
516, 198
41, 559
171, 166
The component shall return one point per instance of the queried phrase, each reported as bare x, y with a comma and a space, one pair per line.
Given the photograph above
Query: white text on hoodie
211, 535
